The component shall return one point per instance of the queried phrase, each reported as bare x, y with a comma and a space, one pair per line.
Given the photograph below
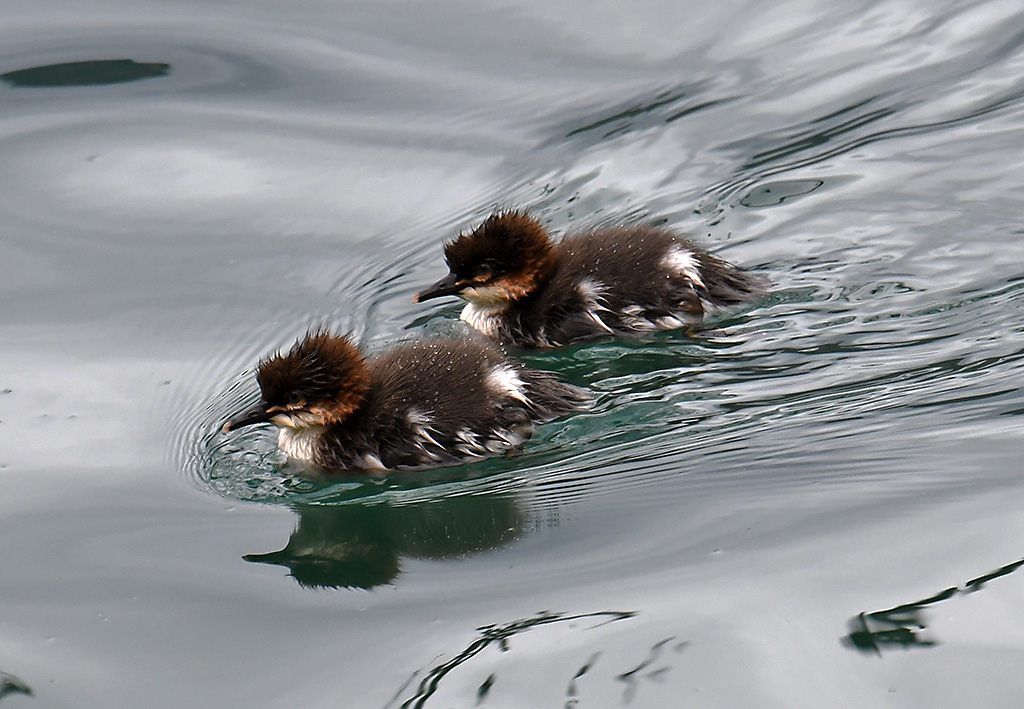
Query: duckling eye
486, 268
294, 398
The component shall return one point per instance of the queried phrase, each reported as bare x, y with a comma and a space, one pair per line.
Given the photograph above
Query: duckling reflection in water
421, 404
526, 291
361, 545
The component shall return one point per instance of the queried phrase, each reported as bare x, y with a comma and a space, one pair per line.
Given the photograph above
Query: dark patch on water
9, 684
498, 635
778, 192
361, 545
90, 73
903, 626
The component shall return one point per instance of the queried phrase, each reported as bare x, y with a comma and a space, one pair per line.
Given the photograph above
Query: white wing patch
470, 444
503, 379
506, 438
670, 322
682, 260
475, 445
593, 293
417, 418
371, 462
424, 431
591, 290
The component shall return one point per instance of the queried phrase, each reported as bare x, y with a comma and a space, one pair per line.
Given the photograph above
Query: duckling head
504, 259
322, 380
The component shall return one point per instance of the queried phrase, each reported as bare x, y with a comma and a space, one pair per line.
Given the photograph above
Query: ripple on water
674, 409
856, 336
807, 383
865, 158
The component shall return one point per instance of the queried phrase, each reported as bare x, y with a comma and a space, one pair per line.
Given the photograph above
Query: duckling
524, 290
426, 403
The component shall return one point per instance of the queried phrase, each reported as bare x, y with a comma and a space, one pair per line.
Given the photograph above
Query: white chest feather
300, 443
484, 318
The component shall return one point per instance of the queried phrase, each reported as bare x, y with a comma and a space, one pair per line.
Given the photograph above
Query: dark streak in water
639, 113
665, 98
690, 110
775, 193
90, 73
572, 691
485, 687
825, 137
629, 678
821, 137
9, 684
902, 625
495, 635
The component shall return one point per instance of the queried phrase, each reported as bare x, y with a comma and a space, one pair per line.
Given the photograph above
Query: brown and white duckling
420, 404
526, 291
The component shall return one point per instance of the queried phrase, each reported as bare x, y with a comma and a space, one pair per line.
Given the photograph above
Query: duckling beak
449, 285
257, 414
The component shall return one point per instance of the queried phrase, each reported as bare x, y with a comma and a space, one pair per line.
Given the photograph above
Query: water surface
819, 507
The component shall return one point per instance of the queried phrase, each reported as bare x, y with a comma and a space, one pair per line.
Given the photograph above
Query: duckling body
524, 290
421, 404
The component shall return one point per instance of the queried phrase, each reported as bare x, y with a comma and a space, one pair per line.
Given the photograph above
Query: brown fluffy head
503, 259
320, 381
322, 374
